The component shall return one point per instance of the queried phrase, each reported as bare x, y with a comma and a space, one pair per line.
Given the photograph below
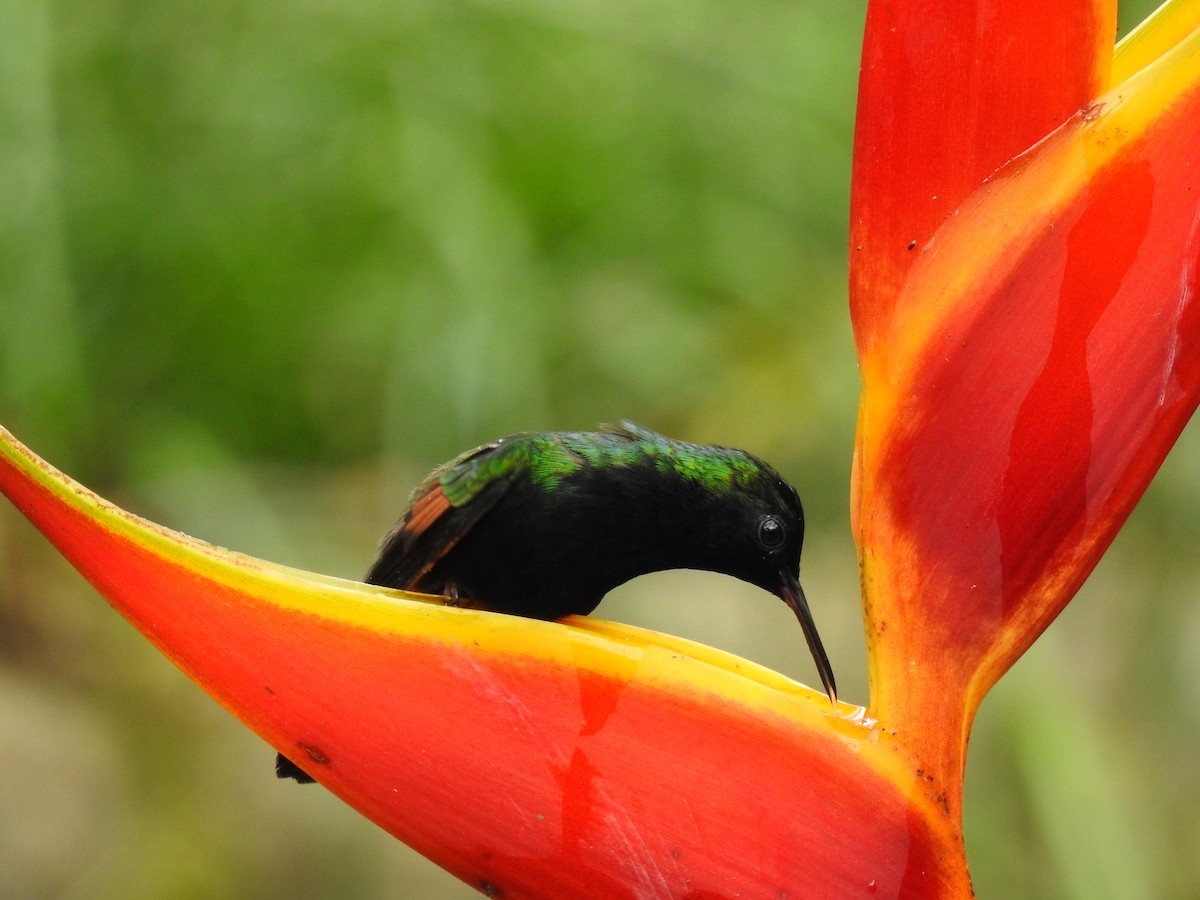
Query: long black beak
793, 596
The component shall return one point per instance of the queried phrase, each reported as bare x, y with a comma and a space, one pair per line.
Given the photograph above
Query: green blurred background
263, 263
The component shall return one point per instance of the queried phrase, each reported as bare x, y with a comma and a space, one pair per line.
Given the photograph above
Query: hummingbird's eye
771, 533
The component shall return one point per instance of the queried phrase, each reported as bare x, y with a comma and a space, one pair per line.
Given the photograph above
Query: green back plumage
549, 458
464, 478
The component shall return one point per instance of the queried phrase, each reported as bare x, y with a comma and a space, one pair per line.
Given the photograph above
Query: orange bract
530, 758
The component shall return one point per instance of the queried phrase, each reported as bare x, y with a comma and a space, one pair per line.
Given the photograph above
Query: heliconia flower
1023, 277
1029, 351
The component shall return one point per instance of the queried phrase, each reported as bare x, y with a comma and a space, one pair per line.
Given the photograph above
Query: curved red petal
532, 759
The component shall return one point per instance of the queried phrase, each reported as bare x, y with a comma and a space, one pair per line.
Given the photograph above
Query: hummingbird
544, 524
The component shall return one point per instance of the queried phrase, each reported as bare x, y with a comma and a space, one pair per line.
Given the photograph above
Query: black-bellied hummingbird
544, 524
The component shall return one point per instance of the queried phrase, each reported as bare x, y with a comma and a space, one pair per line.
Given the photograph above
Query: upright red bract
949, 92
1024, 374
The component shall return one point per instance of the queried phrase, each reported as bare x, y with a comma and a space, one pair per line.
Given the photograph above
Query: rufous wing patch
426, 510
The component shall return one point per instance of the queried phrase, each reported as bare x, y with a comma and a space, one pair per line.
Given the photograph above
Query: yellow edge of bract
995, 226
1002, 219
1167, 26
593, 642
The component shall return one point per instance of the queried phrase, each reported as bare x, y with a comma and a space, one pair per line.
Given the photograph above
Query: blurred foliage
264, 263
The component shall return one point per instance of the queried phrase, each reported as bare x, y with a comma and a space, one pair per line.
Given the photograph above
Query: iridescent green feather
550, 460
716, 468
464, 477
551, 457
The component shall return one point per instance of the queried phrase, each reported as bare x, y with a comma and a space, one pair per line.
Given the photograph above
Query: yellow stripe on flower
1167, 26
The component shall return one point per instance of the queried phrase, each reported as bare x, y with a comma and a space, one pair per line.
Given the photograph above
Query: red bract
949, 92
529, 758
1039, 361
1029, 339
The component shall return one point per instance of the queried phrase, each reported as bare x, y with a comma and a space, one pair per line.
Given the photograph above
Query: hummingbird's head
667, 504
767, 537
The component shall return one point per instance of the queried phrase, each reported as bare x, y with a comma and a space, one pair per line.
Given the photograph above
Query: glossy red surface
948, 93
1023, 404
